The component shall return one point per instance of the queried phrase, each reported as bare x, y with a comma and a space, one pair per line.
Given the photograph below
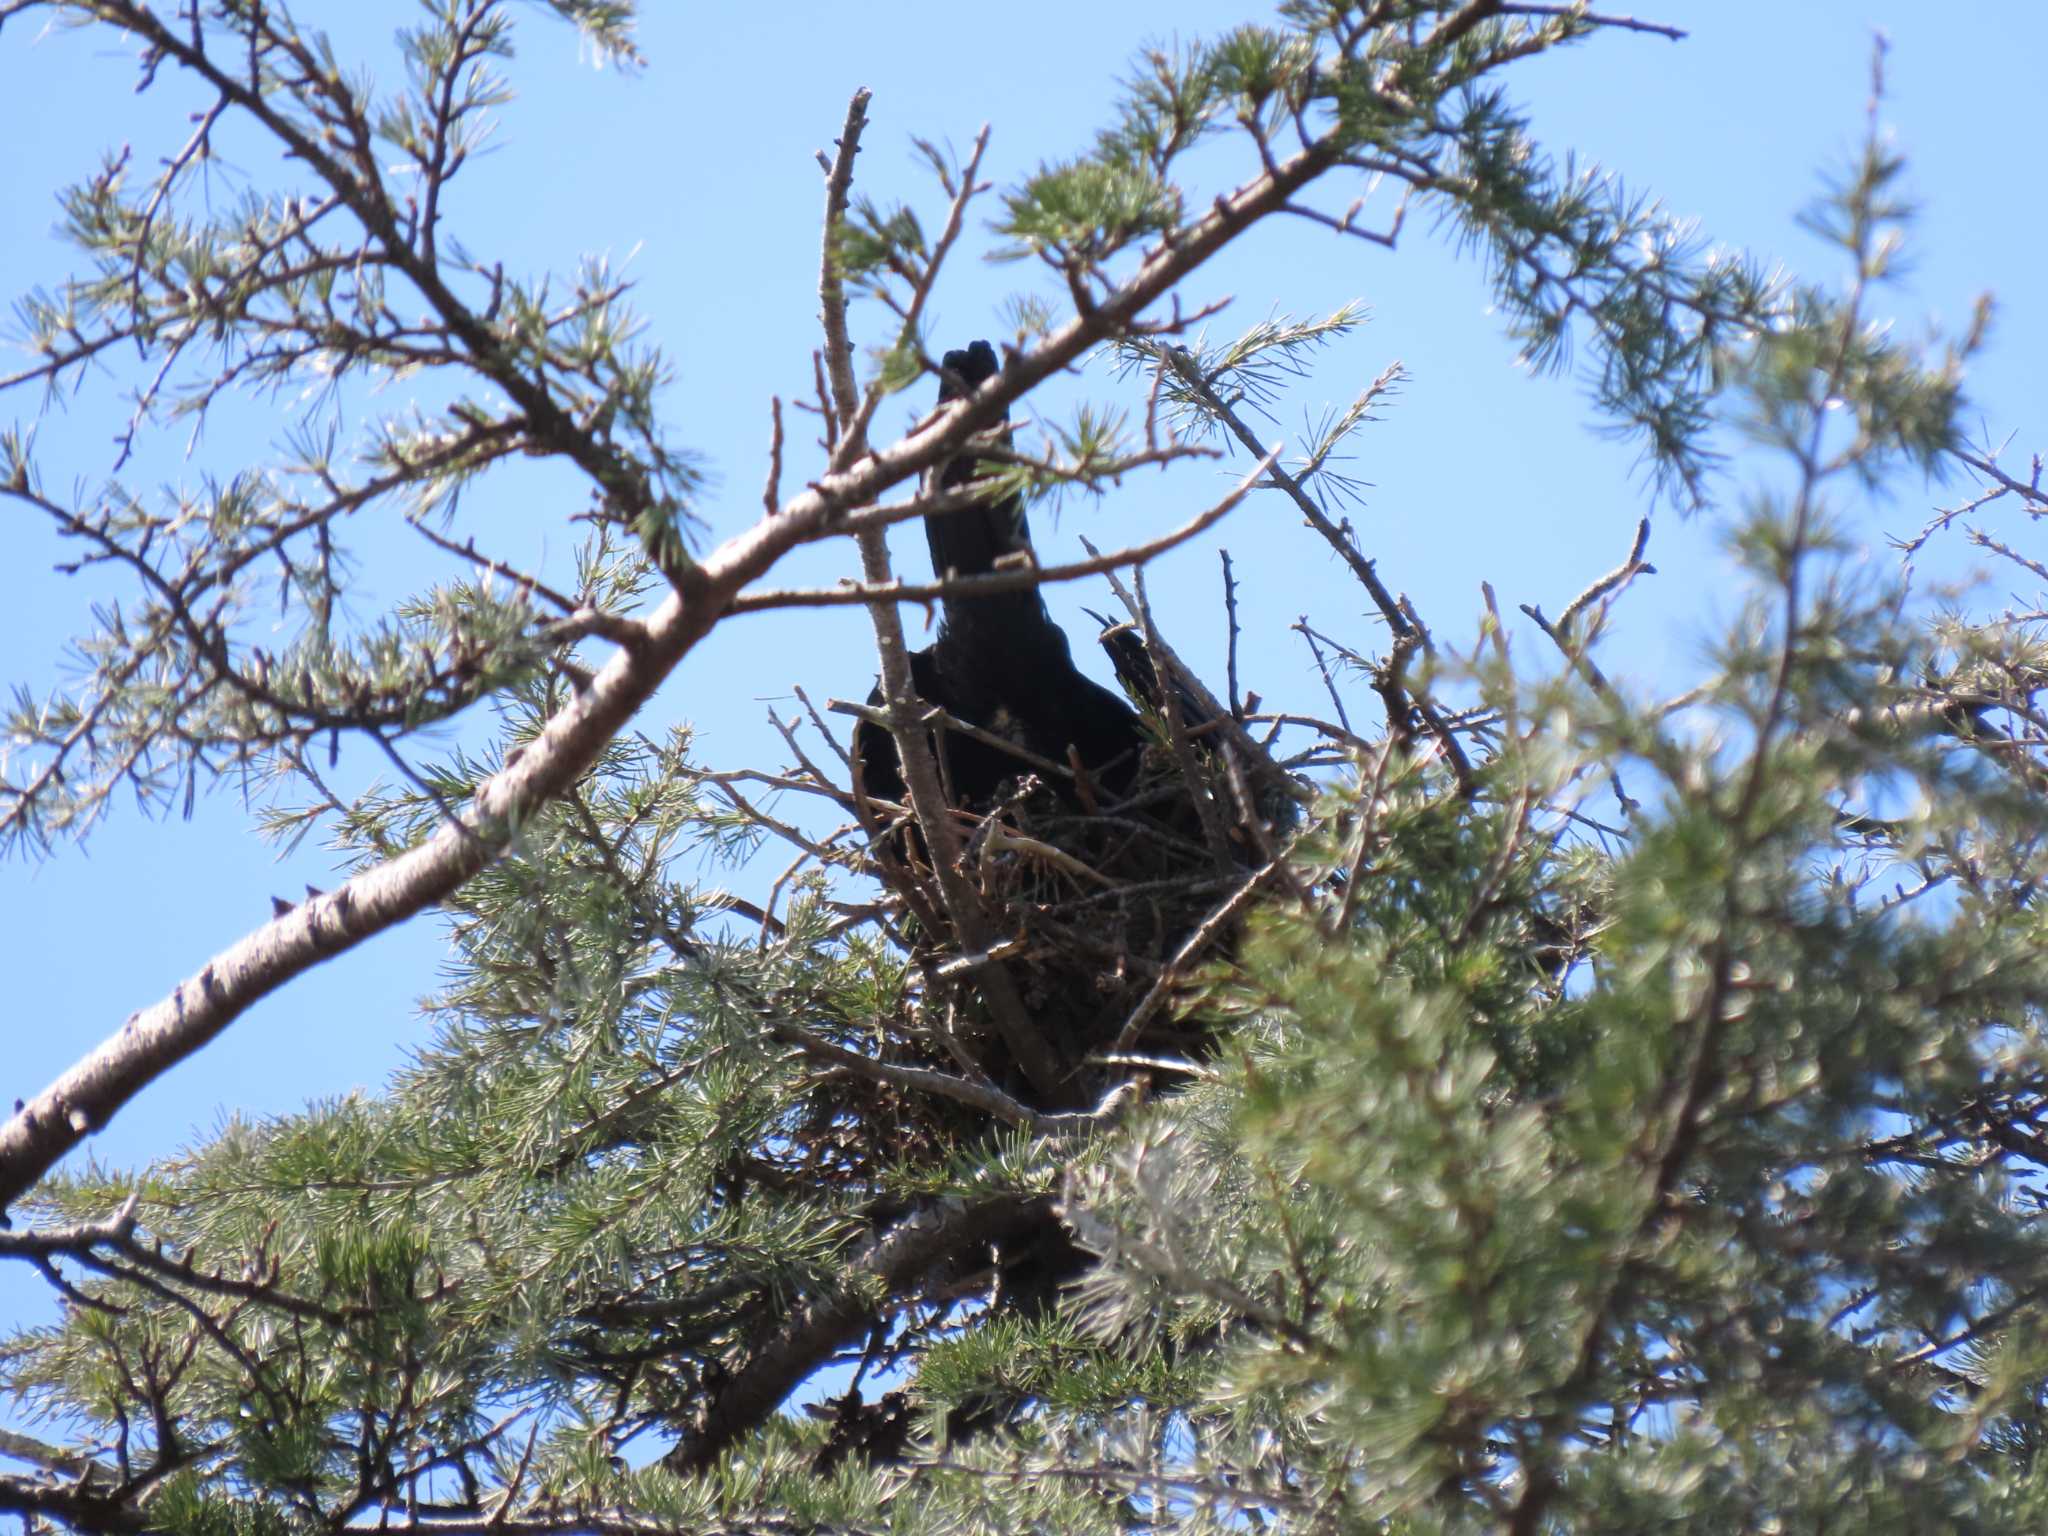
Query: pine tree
1555, 1108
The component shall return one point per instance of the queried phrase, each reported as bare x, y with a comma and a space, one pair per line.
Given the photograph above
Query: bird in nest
999, 662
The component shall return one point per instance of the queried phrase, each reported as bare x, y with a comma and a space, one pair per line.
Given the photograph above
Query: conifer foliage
1518, 1103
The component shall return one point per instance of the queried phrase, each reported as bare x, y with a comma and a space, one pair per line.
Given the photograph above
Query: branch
1212, 925
845, 401
983, 1096
78, 1508
1183, 364
893, 1262
92, 1476
1269, 773
921, 782
897, 591
1635, 565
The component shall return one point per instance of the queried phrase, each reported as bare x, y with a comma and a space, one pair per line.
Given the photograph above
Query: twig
1597, 19
996, 837
1336, 733
1212, 925
1369, 797
1614, 581
1408, 633
1270, 775
873, 591
1301, 627
1230, 655
2029, 491
1575, 654
818, 721
771, 497
921, 290
1182, 362
845, 401
932, 715
1213, 831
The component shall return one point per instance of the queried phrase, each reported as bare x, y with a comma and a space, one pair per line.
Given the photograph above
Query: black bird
999, 662
1131, 659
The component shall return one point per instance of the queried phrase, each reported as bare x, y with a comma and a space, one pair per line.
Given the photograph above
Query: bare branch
831, 290
1635, 565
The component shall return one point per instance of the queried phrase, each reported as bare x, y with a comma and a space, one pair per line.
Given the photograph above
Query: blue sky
698, 173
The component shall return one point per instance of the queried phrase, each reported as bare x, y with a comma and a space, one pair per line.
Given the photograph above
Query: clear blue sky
700, 172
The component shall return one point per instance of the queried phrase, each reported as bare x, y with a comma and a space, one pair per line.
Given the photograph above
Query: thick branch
92, 1476
893, 1264
79, 1508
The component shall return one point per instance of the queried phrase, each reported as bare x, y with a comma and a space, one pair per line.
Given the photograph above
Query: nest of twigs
1102, 909
1096, 906
1096, 909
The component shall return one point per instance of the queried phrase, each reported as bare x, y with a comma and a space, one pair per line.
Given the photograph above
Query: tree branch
893, 1263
